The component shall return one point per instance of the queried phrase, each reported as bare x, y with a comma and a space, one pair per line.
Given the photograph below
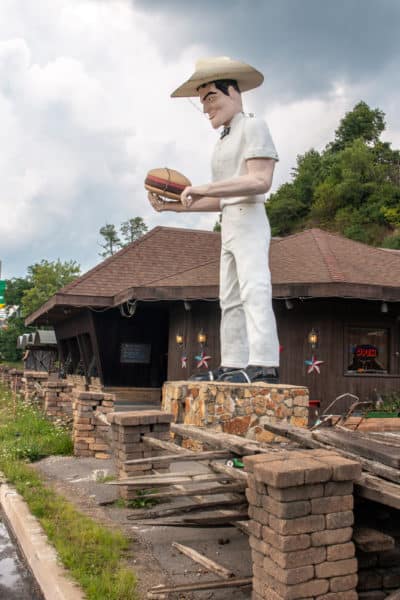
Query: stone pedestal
241, 409
58, 400
301, 510
33, 383
128, 429
90, 432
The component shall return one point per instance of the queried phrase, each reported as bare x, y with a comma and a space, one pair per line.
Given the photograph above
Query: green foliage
15, 289
360, 123
47, 278
25, 434
112, 243
94, 555
392, 241
352, 187
217, 224
8, 339
132, 230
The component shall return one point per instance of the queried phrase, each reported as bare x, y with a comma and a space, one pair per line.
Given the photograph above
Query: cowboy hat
220, 67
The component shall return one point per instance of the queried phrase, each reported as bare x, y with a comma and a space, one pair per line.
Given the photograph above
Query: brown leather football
168, 183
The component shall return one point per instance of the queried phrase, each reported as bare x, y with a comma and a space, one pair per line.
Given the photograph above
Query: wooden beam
233, 473
202, 560
209, 491
378, 490
224, 520
372, 540
194, 456
163, 445
153, 481
217, 439
176, 510
208, 585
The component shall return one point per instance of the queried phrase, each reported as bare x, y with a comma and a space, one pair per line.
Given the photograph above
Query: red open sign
366, 351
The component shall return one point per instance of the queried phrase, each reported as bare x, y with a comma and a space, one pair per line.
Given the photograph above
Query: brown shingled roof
173, 263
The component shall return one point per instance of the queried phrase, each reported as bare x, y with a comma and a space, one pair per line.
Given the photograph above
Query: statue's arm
206, 198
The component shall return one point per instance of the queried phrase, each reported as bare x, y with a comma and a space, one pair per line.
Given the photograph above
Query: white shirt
249, 137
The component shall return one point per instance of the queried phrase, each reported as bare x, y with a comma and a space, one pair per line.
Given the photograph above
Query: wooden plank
207, 585
209, 491
217, 439
168, 479
204, 561
224, 520
238, 474
372, 540
166, 512
194, 456
378, 490
307, 438
163, 445
351, 441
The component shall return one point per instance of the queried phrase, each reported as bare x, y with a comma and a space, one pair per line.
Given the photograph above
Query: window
368, 350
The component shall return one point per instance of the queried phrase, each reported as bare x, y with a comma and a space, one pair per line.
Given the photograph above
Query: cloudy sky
85, 110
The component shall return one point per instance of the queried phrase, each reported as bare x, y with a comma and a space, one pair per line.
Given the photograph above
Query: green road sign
2, 291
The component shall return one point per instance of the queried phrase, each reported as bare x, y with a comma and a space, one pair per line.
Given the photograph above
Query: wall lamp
289, 303
201, 337
179, 339
313, 338
384, 307
187, 305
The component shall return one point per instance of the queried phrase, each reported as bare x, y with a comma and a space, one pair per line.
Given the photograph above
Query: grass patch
94, 555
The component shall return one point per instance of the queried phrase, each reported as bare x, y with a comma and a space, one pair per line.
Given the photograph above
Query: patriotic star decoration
313, 364
202, 360
184, 360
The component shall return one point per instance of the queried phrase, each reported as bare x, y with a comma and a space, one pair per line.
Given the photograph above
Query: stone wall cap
139, 417
258, 385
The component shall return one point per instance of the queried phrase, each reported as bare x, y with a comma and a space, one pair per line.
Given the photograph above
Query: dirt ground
153, 559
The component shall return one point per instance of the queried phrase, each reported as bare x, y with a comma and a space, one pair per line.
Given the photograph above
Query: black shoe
214, 375
252, 374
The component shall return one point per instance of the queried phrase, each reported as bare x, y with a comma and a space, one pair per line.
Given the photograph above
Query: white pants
248, 327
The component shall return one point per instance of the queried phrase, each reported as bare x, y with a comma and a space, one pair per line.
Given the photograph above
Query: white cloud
85, 113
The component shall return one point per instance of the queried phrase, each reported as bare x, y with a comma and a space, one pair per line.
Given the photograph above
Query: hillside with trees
352, 187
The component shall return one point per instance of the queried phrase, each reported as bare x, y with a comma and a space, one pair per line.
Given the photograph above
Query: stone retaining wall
301, 510
241, 409
33, 384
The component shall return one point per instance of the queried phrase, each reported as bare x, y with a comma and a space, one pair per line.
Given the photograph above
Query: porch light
384, 307
179, 339
201, 337
313, 338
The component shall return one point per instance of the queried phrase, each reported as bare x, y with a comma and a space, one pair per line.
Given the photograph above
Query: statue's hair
223, 84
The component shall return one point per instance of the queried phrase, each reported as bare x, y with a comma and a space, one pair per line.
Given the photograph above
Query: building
133, 318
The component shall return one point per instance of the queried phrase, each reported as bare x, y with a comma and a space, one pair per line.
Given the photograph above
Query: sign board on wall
135, 353
2, 292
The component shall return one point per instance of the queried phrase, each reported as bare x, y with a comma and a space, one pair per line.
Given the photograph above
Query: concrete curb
52, 579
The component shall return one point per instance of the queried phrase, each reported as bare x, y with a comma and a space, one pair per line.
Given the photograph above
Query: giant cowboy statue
242, 168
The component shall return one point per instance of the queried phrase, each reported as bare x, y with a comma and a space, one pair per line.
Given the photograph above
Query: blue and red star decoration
202, 359
313, 364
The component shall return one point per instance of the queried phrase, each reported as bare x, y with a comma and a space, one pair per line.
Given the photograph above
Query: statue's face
219, 107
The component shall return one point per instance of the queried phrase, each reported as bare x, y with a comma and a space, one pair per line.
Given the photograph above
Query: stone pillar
301, 510
89, 431
32, 386
58, 400
128, 429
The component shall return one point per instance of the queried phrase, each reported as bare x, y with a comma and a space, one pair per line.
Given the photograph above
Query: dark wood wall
149, 325
329, 317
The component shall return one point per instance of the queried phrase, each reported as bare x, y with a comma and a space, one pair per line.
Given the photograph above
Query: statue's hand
157, 202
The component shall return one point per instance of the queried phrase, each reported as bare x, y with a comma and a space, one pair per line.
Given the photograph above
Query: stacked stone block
240, 409
16, 380
89, 430
128, 429
301, 511
58, 400
33, 383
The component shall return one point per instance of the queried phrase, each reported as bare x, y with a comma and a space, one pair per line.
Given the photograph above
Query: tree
352, 187
15, 288
8, 339
360, 123
132, 230
112, 243
47, 278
